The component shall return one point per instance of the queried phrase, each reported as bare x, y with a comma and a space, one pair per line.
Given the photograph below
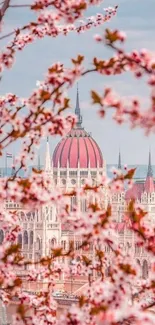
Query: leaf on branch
100, 254
57, 252
99, 64
21, 309
37, 6
94, 207
82, 6
17, 282
97, 310
79, 60
86, 260
82, 301
36, 171
72, 193
108, 211
65, 106
96, 98
12, 249
126, 268
111, 36
17, 31
130, 173
45, 95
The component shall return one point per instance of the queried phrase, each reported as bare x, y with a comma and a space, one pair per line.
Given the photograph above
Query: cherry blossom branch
96, 21
7, 35
149, 306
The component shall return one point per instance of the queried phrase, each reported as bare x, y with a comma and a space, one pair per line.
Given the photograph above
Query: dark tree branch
3, 9
7, 35
20, 6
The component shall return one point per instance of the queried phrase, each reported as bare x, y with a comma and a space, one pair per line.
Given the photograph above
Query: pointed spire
149, 183
47, 157
119, 160
77, 110
39, 166
149, 171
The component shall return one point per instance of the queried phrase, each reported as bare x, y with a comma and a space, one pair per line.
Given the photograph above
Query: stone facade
69, 168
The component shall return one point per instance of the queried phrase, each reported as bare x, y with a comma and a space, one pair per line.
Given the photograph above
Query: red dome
77, 146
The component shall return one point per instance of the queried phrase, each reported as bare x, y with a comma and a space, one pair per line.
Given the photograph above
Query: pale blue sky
136, 18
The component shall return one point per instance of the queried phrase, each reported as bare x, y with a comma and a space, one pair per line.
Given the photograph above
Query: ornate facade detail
77, 157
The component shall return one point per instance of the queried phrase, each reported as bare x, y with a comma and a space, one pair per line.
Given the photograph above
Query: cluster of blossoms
109, 300
140, 64
49, 23
105, 301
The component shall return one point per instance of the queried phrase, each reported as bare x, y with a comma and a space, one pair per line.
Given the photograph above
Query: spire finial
149, 171
39, 167
77, 110
119, 160
47, 158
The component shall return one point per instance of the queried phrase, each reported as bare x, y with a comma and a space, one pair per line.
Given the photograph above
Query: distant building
77, 157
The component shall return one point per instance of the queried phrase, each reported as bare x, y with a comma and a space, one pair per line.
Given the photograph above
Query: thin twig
7, 35
19, 6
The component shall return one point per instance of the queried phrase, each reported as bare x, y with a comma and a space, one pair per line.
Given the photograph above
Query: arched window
63, 244
83, 205
53, 242
77, 245
38, 244
73, 203
25, 237
20, 240
137, 249
107, 249
63, 260
1, 236
31, 237
145, 270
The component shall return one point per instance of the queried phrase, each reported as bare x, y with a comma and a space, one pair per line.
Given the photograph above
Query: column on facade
44, 232
89, 172
58, 174
78, 188
34, 237
67, 175
98, 172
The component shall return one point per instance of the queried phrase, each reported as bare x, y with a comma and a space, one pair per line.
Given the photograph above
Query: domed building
76, 159
77, 156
